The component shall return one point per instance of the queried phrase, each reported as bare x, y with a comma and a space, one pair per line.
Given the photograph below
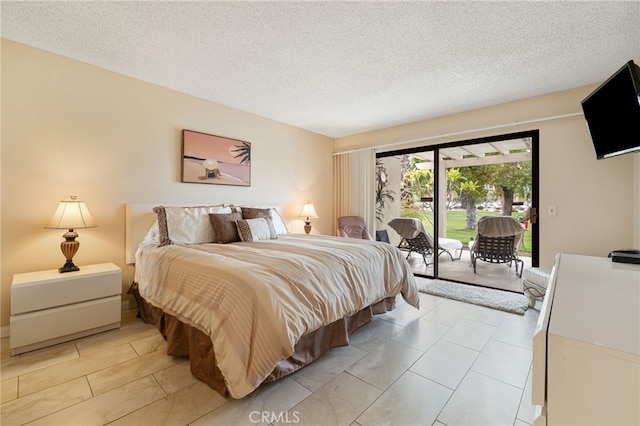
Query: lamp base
68, 267
307, 227
69, 249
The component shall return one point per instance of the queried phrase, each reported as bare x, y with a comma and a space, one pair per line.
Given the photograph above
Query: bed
252, 311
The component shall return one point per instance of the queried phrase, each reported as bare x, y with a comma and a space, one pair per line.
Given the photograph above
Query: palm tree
384, 196
243, 152
454, 179
469, 192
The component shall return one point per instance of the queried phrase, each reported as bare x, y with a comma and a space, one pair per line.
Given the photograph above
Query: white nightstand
48, 307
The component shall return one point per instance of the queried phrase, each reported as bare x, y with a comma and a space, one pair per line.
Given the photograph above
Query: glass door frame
535, 175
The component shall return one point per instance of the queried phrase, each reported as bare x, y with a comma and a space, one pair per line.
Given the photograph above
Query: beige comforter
255, 300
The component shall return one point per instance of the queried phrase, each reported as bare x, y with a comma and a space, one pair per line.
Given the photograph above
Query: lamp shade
71, 214
308, 211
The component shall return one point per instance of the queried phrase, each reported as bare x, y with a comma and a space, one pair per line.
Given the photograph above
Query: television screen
612, 113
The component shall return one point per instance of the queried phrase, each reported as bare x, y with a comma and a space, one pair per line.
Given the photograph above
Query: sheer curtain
354, 186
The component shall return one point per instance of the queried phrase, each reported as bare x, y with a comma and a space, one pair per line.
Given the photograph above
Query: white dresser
586, 350
49, 307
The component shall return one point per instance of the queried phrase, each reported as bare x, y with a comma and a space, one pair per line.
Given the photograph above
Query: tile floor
449, 363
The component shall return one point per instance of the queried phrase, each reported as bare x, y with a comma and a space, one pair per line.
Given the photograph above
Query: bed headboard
138, 220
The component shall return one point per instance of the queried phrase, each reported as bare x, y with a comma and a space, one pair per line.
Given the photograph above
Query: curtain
354, 186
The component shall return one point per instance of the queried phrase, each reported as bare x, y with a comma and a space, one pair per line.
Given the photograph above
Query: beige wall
595, 199
70, 128
73, 129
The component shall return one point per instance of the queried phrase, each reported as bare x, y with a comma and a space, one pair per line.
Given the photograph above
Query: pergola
476, 154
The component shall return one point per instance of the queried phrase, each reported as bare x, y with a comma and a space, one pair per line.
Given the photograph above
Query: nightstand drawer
36, 291
64, 322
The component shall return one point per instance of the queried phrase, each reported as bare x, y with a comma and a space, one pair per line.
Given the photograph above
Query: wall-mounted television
612, 113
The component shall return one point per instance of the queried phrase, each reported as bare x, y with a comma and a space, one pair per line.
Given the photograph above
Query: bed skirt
184, 340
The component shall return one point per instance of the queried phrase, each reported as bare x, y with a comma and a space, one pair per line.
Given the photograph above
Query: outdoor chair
497, 242
415, 238
419, 244
353, 227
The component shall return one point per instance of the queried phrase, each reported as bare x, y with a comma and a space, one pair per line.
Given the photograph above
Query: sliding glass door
443, 191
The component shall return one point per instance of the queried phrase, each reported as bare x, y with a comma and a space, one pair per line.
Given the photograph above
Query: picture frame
215, 160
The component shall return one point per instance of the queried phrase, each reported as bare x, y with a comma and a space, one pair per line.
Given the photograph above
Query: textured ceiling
339, 68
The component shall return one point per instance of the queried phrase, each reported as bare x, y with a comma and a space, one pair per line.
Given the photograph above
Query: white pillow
278, 223
153, 235
188, 225
276, 217
255, 229
151, 239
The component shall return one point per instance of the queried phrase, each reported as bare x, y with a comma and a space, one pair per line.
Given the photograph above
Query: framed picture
215, 160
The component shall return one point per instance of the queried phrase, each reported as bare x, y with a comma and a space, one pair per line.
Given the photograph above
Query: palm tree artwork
213, 159
243, 152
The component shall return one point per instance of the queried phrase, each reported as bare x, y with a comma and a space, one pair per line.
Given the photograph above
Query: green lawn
457, 224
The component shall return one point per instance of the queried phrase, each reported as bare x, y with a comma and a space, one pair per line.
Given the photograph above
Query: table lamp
308, 211
70, 215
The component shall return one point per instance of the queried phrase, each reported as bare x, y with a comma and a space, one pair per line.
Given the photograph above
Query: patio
499, 276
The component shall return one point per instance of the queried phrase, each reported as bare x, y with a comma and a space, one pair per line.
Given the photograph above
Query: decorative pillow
163, 233
224, 226
251, 212
187, 225
255, 229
